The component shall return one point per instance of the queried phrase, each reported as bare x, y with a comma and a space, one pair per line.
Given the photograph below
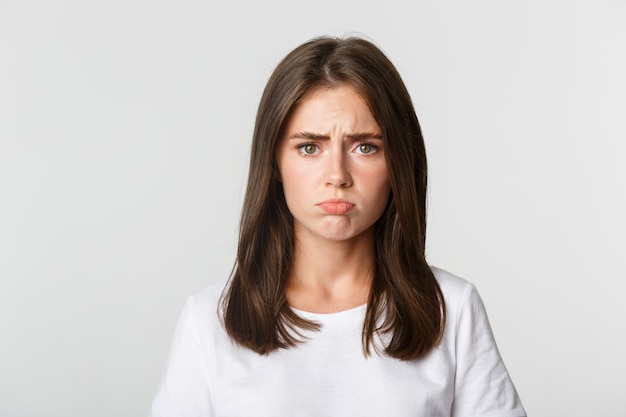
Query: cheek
291, 191
295, 181
383, 197
295, 172
384, 191
378, 180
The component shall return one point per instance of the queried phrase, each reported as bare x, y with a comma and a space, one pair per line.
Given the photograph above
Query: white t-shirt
328, 375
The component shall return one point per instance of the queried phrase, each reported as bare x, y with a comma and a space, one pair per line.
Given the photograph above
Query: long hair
405, 304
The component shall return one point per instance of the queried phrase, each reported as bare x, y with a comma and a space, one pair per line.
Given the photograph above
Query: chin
340, 236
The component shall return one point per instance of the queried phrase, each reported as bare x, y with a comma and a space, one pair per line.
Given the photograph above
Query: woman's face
332, 165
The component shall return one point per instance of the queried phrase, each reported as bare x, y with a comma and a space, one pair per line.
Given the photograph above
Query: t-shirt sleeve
482, 384
184, 390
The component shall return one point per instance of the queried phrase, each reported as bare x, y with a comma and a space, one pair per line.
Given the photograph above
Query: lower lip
336, 208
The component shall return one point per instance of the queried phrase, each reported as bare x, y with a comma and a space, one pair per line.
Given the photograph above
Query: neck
330, 276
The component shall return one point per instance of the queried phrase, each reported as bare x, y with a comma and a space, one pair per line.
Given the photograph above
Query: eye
308, 149
366, 148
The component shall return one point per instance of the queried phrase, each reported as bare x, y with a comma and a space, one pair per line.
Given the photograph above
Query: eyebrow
317, 136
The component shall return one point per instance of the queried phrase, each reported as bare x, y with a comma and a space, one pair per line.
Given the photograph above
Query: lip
336, 206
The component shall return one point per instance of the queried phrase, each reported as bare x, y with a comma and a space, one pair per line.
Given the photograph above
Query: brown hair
405, 302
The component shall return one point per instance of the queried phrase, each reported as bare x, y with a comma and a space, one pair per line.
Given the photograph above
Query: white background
124, 137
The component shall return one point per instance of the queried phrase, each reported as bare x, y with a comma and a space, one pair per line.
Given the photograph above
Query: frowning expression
331, 160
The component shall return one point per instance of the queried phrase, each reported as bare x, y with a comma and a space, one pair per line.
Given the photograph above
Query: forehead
331, 107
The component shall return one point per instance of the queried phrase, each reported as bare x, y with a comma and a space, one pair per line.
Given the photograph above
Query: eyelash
302, 146
373, 147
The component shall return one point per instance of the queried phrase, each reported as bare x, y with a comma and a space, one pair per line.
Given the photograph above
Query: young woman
331, 309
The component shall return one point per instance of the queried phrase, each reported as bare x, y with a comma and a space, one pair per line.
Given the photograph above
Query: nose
338, 170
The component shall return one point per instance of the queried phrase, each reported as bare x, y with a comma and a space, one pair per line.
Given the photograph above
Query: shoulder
461, 297
454, 288
202, 308
482, 383
208, 296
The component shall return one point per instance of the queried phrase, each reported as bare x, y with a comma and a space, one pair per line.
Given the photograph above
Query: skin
332, 166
